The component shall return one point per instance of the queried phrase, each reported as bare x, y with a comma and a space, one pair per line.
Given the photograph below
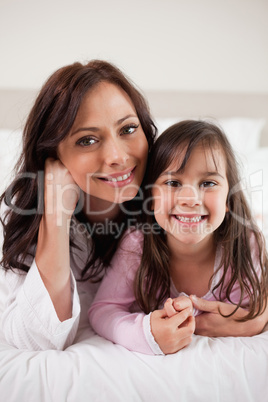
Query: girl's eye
173, 183
86, 142
208, 184
130, 129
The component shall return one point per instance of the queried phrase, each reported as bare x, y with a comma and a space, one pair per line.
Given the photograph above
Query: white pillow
255, 177
243, 133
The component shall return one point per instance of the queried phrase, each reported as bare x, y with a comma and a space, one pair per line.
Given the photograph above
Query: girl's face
106, 149
190, 205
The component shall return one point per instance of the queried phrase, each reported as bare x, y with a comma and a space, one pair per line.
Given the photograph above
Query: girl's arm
111, 314
211, 323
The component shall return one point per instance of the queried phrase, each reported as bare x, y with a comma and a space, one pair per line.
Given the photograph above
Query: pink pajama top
115, 314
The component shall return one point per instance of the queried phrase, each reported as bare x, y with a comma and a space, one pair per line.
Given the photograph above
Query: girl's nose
189, 196
115, 154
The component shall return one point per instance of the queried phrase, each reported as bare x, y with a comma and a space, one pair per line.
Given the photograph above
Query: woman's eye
129, 129
208, 184
173, 183
86, 142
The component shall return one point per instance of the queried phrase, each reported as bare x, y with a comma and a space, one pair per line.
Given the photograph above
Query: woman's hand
52, 252
61, 193
211, 323
173, 330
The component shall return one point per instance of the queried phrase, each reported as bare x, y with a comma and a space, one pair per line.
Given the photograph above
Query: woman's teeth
119, 178
185, 219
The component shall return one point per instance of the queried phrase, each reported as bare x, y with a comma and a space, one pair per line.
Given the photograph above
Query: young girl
199, 240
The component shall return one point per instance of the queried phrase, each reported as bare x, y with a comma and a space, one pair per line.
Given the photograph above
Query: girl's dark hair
234, 234
48, 123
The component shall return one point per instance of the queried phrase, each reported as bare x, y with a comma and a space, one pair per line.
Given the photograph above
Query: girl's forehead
210, 155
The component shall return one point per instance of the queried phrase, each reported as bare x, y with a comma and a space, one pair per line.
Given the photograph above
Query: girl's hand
211, 323
172, 333
61, 193
173, 306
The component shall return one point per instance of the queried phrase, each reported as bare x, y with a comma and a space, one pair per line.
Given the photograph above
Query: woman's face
106, 149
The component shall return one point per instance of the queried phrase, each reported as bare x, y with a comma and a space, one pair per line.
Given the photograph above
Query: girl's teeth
185, 219
120, 178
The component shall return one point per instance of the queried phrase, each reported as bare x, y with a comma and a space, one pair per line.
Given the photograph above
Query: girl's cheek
165, 202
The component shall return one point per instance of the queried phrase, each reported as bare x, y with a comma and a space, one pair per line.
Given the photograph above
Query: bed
94, 369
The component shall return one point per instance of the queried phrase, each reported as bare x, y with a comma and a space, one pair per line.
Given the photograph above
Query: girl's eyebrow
204, 174
95, 129
208, 174
168, 173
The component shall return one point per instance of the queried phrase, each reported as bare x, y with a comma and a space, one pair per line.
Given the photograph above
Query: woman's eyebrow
120, 121
95, 129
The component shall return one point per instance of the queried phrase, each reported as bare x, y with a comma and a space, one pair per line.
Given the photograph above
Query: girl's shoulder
132, 240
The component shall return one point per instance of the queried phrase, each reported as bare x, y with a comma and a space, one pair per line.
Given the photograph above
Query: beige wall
188, 45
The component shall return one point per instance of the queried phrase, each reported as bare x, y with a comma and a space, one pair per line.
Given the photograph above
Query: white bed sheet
93, 369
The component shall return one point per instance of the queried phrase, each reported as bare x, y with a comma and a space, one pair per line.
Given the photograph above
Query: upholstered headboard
15, 105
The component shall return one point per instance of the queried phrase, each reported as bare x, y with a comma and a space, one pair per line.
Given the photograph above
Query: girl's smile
190, 223
190, 219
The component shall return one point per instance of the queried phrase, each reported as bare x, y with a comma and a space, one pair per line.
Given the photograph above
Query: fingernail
169, 300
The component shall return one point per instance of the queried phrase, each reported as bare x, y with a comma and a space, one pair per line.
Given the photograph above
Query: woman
89, 131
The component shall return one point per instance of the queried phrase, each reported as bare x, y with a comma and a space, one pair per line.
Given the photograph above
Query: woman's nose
189, 196
115, 153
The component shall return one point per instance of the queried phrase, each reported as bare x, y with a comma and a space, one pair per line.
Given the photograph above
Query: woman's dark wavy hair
153, 278
48, 123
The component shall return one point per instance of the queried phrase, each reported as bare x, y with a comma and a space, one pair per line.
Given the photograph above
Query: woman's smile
119, 179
